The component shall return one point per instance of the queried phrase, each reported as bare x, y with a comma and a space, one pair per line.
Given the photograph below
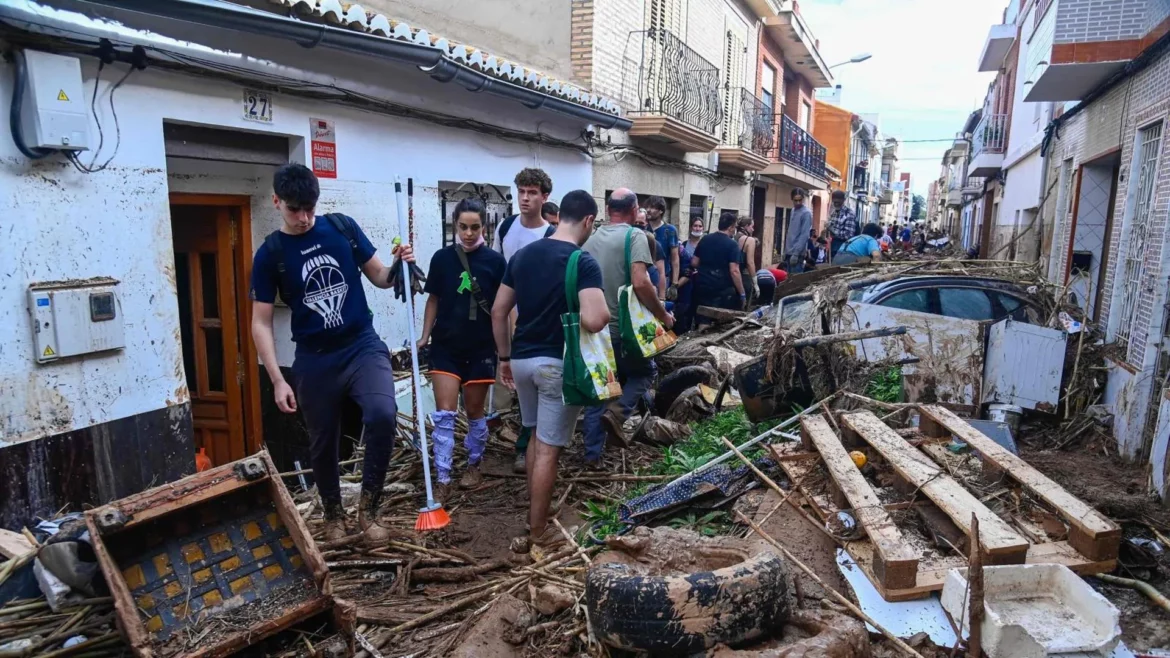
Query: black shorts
479, 369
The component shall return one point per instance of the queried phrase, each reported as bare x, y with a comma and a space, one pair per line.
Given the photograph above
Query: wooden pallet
882, 555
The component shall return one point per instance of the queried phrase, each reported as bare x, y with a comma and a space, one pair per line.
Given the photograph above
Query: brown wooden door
205, 280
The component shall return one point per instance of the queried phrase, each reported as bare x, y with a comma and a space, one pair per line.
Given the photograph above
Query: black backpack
344, 225
507, 226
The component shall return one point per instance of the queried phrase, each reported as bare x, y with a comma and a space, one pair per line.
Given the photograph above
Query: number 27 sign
257, 106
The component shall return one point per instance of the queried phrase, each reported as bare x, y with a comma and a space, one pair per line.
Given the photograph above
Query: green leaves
886, 385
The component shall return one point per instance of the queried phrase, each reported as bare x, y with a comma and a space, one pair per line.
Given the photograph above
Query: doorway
212, 250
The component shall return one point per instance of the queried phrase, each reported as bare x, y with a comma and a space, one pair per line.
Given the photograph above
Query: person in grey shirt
799, 225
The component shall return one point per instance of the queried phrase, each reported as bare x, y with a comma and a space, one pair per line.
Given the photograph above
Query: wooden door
205, 281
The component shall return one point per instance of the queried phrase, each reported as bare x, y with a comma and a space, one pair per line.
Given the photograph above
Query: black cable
97, 81
14, 122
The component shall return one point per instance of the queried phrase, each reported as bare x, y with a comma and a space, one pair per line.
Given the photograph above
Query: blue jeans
635, 375
362, 372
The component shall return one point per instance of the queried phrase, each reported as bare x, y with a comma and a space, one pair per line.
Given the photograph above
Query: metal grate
1146, 158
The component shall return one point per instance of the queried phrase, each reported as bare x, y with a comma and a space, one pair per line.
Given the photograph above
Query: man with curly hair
518, 231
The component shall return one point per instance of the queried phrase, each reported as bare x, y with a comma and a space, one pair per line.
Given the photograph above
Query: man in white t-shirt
518, 231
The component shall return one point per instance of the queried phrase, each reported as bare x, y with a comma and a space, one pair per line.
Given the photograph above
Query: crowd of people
493, 315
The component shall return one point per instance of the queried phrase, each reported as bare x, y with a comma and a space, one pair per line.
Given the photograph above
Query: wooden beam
895, 562
719, 314
1090, 532
1003, 544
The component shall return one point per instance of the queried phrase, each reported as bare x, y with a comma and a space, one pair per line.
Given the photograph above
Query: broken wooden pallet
798, 464
1090, 532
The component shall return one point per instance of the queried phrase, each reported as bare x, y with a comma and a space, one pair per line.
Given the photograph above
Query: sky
922, 80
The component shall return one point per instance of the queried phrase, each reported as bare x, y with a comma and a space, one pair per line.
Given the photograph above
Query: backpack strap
549, 231
345, 226
630, 265
276, 250
505, 227
476, 291
571, 282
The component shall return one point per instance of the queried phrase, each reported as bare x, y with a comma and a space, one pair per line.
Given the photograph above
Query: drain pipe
228, 16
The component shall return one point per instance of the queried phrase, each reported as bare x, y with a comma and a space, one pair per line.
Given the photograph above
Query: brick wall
1079, 21
1148, 102
581, 42
613, 20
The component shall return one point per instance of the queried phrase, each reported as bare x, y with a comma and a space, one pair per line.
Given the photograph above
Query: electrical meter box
54, 113
71, 318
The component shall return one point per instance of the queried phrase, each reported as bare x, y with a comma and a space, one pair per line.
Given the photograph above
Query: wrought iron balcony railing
748, 123
796, 147
662, 75
990, 135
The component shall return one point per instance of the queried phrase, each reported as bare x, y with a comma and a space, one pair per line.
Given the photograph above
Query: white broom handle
416, 378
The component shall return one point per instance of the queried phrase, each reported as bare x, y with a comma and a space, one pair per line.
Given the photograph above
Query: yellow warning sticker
61, 96
49, 351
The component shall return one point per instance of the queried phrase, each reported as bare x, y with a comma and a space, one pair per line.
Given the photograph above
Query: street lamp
856, 59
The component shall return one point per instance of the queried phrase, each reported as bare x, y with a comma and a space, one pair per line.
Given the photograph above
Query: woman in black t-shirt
461, 285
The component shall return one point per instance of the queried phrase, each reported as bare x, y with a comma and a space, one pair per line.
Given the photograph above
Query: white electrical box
75, 317
54, 114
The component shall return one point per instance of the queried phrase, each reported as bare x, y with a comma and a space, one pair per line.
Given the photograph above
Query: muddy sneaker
472, 478
518, 465
335, 526
612, 423
376, 532
442, 492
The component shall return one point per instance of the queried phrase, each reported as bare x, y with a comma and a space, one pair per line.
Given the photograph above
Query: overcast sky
922, 79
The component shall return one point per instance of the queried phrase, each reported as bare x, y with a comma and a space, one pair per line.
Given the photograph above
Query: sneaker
518, 465
472, 478
336, 528
442, 492
376, 532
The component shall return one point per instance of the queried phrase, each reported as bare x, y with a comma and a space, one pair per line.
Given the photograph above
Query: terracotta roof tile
353, 16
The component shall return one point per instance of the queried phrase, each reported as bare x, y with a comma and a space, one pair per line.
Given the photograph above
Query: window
805, 115
910, 300
965, 303
1146, 165
768, 87
665, 15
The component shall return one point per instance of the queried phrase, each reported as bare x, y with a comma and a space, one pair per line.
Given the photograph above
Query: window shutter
733, 65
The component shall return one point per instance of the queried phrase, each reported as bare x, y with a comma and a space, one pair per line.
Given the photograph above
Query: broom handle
416, 379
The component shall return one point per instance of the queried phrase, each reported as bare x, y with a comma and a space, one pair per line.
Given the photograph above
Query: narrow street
597, 328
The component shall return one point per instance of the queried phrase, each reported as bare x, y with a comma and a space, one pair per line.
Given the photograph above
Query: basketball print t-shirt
322, 276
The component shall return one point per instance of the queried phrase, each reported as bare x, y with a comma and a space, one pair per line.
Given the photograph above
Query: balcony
1063, 64
790, 32
672, 92
797, 158
988, 145
885, 194
974, 187
749, 133
955, 195
995, 48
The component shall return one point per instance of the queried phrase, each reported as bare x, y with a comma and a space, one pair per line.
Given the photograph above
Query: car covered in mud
968, 298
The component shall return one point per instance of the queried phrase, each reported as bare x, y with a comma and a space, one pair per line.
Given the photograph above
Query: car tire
683, 614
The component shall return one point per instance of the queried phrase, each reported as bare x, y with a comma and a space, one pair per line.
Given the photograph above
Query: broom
433, 516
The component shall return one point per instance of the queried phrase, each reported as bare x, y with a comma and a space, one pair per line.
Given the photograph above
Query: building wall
117, 223
615, 54
833, 128
1118, 20
535, 34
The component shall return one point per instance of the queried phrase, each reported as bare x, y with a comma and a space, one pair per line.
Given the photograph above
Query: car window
965, 303
910, 300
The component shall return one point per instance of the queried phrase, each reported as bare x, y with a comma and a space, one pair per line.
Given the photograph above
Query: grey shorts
538, 386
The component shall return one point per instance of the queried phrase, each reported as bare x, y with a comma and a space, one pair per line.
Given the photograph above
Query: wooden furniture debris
14, 544
935, 493
895, 563
1090, 532
226, 543
1002, 544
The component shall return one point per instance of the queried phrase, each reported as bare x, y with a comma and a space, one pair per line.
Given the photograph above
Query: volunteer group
493, 313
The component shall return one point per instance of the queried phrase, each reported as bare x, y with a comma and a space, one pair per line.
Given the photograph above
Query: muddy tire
687, 613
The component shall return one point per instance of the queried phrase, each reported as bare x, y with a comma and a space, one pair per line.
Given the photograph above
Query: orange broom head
431, 519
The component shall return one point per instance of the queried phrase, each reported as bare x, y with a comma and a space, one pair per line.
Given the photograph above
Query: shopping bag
590, 369
641, 332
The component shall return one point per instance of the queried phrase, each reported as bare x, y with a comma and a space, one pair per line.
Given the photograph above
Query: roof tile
355, 17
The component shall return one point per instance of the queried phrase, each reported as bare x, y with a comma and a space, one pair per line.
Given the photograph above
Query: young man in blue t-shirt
315, 263
532, 361
667, 236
